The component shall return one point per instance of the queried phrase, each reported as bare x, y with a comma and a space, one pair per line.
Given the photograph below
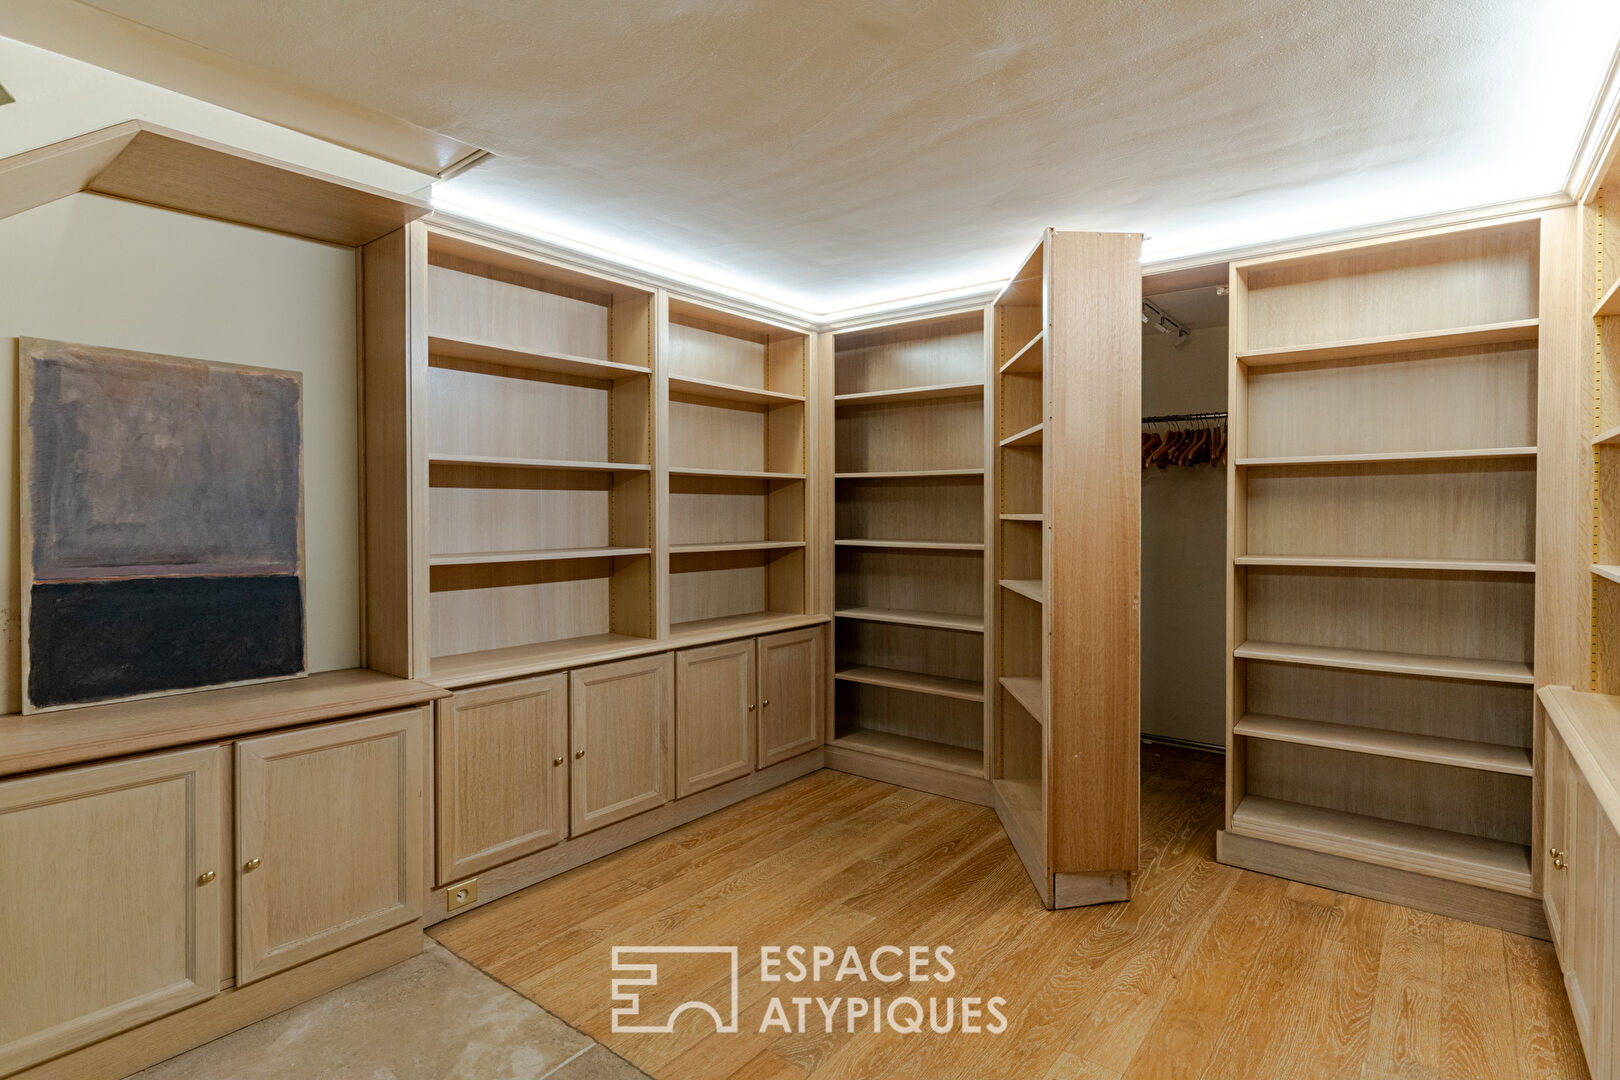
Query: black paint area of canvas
95, 640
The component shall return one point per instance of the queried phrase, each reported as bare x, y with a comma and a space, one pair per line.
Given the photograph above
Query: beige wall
100, 271
1184, 552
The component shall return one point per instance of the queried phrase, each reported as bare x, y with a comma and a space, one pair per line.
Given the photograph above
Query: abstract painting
162, 524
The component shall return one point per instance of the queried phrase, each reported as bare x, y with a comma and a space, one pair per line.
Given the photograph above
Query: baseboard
518, 874
908, 774
1083, 890
131, 1051
1471, 903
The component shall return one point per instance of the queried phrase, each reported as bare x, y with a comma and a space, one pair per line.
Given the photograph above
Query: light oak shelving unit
1382, 587
568, 468
911, 530
737, 443
1064, 701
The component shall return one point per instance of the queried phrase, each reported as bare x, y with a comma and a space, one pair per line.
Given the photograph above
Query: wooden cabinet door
714, 715
1605, 1053
1582, 919
1558, 775
329, 823
790, 694
109, 899
621, 728
502, 785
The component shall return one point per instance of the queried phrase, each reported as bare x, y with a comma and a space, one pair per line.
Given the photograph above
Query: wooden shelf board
1027, 691
1472, 860
1336, 562
917, 751
1035, 590
488, 352
536, 463
1030, 436
1461, 753
1607, 438
96, 732
915, 681
908, 474
491, 665
1435, 667
722, 391
1022, 801
146, 163
1608, 573
1030, 358
1519, 330
911, 393
1610, 304
1399, 455
1035, 519
737, 545
911, 545
739, 474
903, 617
474, 558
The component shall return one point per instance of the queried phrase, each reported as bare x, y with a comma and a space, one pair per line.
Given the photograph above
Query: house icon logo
637, 966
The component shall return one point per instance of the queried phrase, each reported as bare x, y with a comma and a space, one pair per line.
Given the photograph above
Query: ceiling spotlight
1164, 324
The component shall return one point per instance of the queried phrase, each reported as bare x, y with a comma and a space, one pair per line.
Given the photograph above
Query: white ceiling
833, 153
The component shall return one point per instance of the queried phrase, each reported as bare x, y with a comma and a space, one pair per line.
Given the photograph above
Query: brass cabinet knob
250, 865
205, 877
767, 701
1557, 859
557, 761
750, 706
578, 754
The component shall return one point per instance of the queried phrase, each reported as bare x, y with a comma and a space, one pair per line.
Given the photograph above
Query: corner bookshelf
1065, 714
736, 443
910, 538
1382, 582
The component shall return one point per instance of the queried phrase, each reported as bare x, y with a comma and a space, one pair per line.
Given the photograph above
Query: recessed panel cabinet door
1555, 884
790, 694
622, 734
714, 715
502, 784
109, 899
328, 838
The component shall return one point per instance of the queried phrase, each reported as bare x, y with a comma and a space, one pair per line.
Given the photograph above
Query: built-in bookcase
1383, 405
737, 452
910, 528
538, 428
1602, 280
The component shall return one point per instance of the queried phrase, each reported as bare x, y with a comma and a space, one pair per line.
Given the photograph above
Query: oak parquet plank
1476, 1018
1543, 1026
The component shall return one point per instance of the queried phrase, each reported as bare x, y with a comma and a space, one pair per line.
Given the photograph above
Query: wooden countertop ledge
95, 732
1590, 726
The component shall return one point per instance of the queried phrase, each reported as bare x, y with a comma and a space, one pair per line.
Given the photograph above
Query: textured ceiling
831, 153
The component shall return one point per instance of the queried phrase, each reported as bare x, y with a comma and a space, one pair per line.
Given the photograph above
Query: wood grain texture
28, 743
622, 734
715, 703
1208, 972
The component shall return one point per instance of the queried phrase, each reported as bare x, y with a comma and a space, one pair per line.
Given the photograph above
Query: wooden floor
1208, 972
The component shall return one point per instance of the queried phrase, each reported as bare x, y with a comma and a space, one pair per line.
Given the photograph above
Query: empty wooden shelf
936, 755
1471, 860
911, 545
907, 474
735, 545
1387, 456
713, 390
1030, 436
1035, 590
1029, 359
1345, 562
462, 348
1609, 304
1028, 692
913, 393
1516, 330
1488, 757
938, 620
1609, 573
736, 474
469, 558
537, 463
939, 685
1438, 667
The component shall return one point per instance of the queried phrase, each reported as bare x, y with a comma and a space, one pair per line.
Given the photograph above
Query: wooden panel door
109, 899
622, 732
714, 715
790, 694
1583, 921
1559, 773
502, 787
329, 824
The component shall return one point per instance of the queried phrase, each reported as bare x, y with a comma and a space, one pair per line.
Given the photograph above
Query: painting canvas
162, 524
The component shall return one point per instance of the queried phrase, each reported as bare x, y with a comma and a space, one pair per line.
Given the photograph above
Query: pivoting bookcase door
162, 524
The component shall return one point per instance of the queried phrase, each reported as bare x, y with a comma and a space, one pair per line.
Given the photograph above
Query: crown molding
1600, 141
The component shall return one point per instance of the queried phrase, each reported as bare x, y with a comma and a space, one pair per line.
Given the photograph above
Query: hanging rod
1175, 417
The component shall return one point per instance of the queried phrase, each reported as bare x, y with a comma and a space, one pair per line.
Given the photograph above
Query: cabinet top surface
48, 740
1590, 726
